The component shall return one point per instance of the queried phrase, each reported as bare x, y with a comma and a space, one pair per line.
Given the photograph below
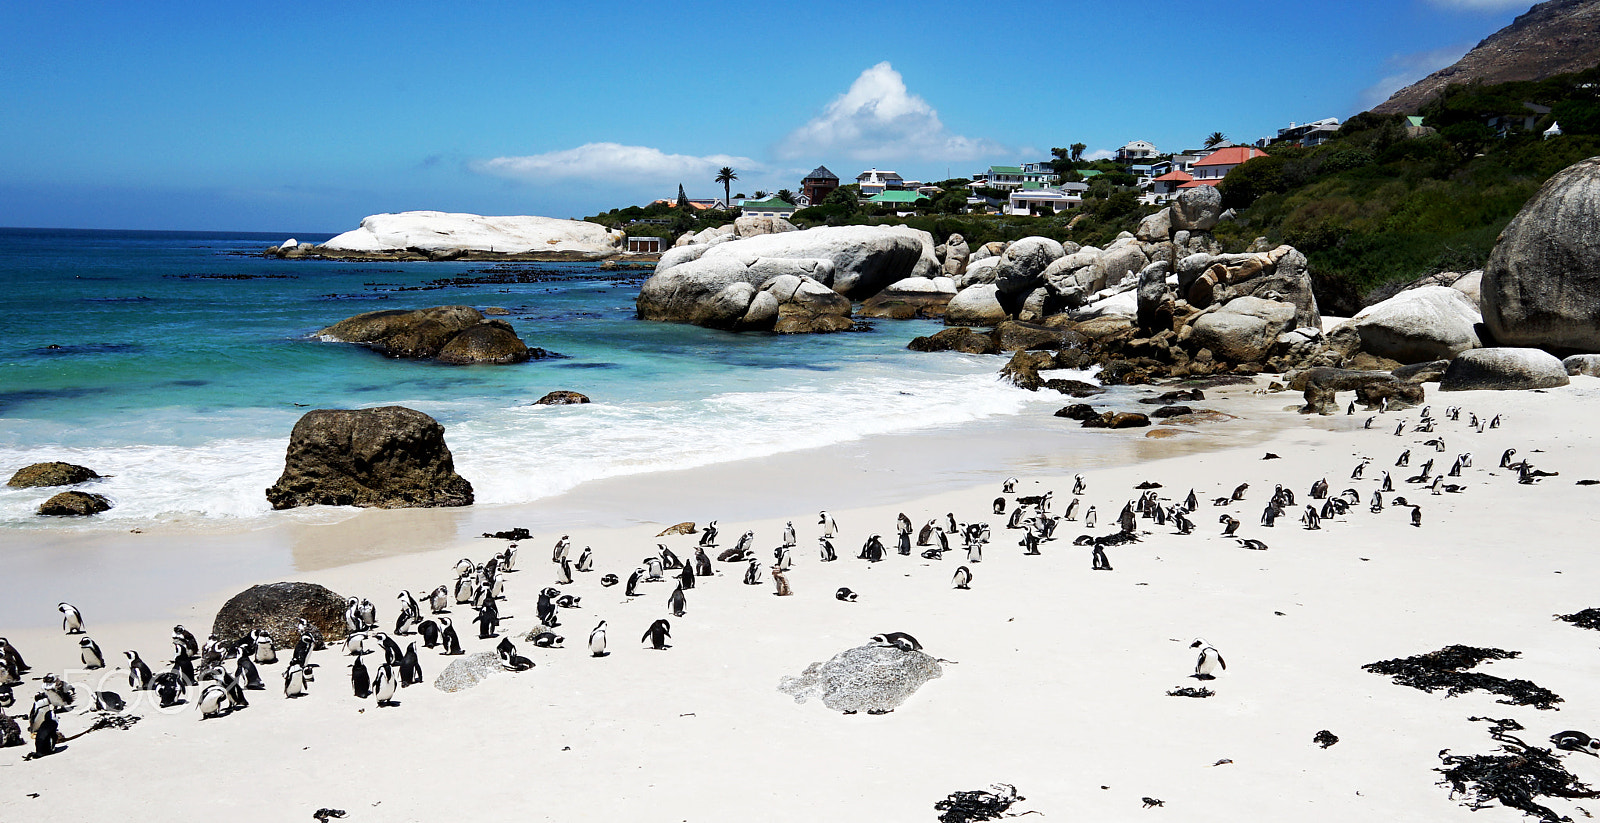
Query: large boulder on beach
389, 457
458, 335
1420, 325
871, 679
862, 259
956, 338
754, 226
956, 253
1503, 369
1022, 266
54, 473
1587, 365
1196, 209
975, 306
277, 609
1321, 386
492, 341
74, 504
1243, 330
721, 292
439, 234
911, 297
1541, 286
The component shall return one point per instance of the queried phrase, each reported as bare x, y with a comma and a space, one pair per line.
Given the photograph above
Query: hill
1555, 37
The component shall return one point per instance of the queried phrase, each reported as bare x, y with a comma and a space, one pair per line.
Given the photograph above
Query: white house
1055, 201
874, 182
770, 207
1136, 151
1209, 170
1310, 134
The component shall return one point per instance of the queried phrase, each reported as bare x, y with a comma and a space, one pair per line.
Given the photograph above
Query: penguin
384, 685
430, 633
59, 692
245, 671
686, 577
1184, 524
962, 579
448, 639
950, 524
44, 735
1208, 662
464, 589
999, 505
633, 583
488, 621
167, 687
567, 601
40, 709
10, 732
184, 642
406, 621
1030, 542
708, 537
702, 564
653, 570
1416, 516
1575, 741
89, 652
1252, 544
1319, 490
302, 651
1229, 524
829, 527
12, 657
356, 644
872, 550
1360, 469
360, 680
943, 539
465, 566
1437, 443
1350, 409
1405, 459
410, 669
1505, 462
1399, 428
904, 545
560, 550
508, 558
1377, 503
745, 546
408, 603
597, 640
657, 634
752, 574
139, 676
439, 601
1009, 486
213, 701
844, 595
676, 602
974, 552
781, 582
1238, 493
1311, 519
609, 580
294, 680
826, 550
670, 560
1388, 483
509, 659
352, 616
788, 533
108, 702
1270, 515
548, 640
564, 571
1072, 509
1077, 484
1494, 422
1089, 518
1368, 424
586, 560
899, 640
71, 618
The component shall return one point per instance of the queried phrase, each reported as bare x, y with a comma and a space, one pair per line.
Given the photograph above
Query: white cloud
1406, 69
1100, 154
610, 162
1482, 5
879, 120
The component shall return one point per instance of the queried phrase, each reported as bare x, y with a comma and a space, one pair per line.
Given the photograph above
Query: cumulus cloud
1482, 5
1100, 154
1405, 69
879, 119
610, 162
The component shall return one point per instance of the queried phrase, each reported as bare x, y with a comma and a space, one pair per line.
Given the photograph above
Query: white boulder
432, 232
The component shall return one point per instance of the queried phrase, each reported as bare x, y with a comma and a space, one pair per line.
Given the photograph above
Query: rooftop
1231, 156
821, 173
769, 204
901, 197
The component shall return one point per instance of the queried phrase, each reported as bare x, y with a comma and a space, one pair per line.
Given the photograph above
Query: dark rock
1073, 359
492, 341
51, 474
74, 504
1174, 396
1503, 369
1077, 411
388, 457
515, 533
1075, 388
277, 608
1422, 372
1399, 393
1117, 420
958, 338
419, 334
1023, 370
1172, 411
1321, 386
1129, 372
561, 398
1541, 286
1014, 335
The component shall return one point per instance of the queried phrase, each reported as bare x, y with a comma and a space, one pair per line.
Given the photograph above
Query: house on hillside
1166, 186
1526, 120
1309, 134
903, 202
1046, 200
1136, 151
874, 182
816, 186
1209, 170
770, 207
646, 245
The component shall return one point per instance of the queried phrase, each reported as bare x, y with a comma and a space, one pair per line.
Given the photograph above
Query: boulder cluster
71, 503
457, 335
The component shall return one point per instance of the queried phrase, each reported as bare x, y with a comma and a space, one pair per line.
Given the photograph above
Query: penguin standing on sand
654, 571
139, 676
686, 577
925, 534
702, 563
1009, 486
439, 601
1077, 484
788, 534
360, 680
872, 550
1098, 560
632, 589
384, 685
586, 560
11, 657
89, 653
488, 620
448, 639
668, 559
708, 537
781, 581
826, 550
1229, 525
1209, 661
962, 579
676, 602
752, 574
564, 572
657, 634
410, 669
294, 680
72, 619
1089, 518
829, 527
560, 549
430, 633
244, 670
597, 640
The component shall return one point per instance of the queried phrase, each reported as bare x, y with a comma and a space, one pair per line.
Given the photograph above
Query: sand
1057, 677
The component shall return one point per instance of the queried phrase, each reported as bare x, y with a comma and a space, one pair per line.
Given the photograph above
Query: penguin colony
217, 676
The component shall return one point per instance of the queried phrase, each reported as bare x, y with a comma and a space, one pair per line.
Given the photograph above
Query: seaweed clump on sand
1514, 779
1190, 691
1447, 669
964, 807
1586, 619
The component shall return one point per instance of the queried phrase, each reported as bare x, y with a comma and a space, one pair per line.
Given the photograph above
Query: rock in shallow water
865, 678
51, 474
75, 504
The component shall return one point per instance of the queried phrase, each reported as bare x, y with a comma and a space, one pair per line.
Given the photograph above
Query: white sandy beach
1059, 678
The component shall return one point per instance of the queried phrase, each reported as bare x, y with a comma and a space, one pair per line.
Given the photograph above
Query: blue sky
307, 117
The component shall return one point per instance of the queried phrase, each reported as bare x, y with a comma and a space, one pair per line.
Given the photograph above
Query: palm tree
1217, 138
786, 196
726, 176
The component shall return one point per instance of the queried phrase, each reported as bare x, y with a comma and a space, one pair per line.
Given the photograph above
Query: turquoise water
147, 356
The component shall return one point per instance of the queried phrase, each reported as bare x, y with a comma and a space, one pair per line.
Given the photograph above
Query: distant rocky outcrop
435, 235
1541, 286
54, 473
1554, 37
387, 457
277, 609
459, 335
75, 504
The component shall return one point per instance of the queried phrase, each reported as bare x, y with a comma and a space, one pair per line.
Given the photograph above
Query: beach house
873, 181
816, 186
1136, 151
770, 207
1209, 170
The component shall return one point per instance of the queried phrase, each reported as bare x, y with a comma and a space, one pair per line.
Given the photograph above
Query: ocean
178, 362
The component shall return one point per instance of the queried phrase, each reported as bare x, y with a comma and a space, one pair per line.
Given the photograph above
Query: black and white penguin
509, 659
448, 639
1229, 525
107, 702
676, 602
1416, 516
569, 601
294, 680
826, 551
708, 537
213, 701
1190, 503
586, 560
962, 579
1251, 544
653, 570
384, 684
430, 633
657, 634
597, 640
899, 640
752, 573
410, 669
872, 550
1576, 741
1505, 462
71, 618
999, 505
464, 589
686, 577
1009, 486
829, 527
1405, 459
44, 735
746, 544
245, 671
548, 640
89, 653
1209, 660
1319, 490
942, 539
488, 620
670, 560
1238, 493
12, 657
560, 549
702, 564
439, 601
1072, 509
1089, 518
1360, 469
1270, 515
356, 644
360, 679
788, 533
564, 571
1312, 519
609, 580
139, 676
633, 583
1078, 484
780, 582
844, 595
508, 558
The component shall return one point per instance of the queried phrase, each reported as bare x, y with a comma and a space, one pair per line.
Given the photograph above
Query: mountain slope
1555, 37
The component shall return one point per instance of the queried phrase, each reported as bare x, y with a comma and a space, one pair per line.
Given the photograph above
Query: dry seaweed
1586, 619
964, 807
1190, 691
1445, 669
1515, 779
1325, 738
